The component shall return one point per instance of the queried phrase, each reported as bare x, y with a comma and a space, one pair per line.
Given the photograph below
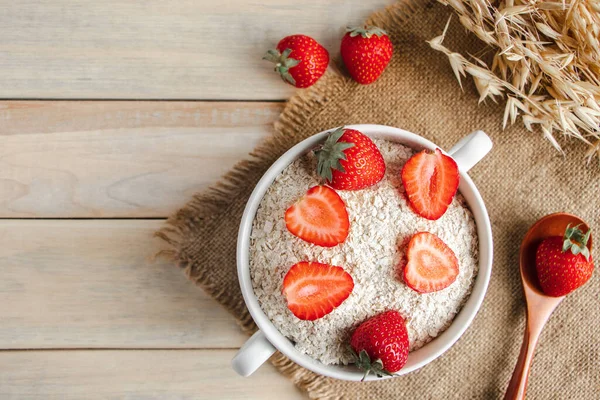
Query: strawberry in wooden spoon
431, 181
313, 290
431, 266
564, 263
319, 217
349, 160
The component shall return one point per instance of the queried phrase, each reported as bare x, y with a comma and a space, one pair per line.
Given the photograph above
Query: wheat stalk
546, 63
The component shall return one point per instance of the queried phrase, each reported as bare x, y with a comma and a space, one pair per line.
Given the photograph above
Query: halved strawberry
313, 290
319, 217
431, 181
431, 266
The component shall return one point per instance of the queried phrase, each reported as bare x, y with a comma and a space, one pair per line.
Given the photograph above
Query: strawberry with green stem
349, 160
299, 60
366, 52
564, 263
380, 344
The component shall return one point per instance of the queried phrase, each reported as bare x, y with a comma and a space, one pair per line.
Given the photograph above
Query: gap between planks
92, 284
102, 159
124, 100
90, 375
155, 49
121, 349
84, 219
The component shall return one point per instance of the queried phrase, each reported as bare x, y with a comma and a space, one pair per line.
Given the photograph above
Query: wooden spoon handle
518, 383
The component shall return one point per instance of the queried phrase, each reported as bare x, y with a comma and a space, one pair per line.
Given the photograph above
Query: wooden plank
145, 374
92, 284
180, 49
119, 159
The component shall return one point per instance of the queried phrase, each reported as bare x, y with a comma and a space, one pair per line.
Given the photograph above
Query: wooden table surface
113, 114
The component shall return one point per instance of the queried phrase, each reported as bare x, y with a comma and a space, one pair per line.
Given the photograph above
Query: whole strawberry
299, 59
564, 264
381, 344
366, 51
349, 160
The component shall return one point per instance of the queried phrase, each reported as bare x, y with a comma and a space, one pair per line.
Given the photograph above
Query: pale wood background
84, 310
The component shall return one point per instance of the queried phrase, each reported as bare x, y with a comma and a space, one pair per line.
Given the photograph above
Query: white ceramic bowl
263, 343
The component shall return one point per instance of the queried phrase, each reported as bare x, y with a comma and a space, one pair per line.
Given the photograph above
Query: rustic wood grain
156, 374
93, 284
73, 284
180, 49
117, 158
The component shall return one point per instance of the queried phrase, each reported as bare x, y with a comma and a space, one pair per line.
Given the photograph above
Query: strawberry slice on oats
431, 181
313, 290
319, 217
431, 266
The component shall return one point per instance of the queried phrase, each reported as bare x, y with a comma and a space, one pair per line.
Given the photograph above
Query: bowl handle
470, 150
253, 354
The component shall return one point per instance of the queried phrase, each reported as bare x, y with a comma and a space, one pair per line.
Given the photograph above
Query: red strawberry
431, 266
366, 51
381, 344
319, 217
564, 264
313, 289
431, 181
299, 59
349, 160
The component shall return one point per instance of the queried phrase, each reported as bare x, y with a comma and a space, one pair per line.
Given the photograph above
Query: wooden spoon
539, 306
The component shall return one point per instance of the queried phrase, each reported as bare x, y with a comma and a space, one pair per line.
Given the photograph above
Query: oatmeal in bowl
368, 250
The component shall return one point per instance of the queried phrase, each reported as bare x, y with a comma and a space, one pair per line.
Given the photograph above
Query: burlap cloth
522, 179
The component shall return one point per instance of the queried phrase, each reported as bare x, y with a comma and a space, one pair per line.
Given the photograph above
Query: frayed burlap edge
300, 108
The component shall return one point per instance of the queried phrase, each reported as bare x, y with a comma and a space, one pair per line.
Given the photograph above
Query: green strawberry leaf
282, 63
363, 362
576, 241
365, 31
331, 153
